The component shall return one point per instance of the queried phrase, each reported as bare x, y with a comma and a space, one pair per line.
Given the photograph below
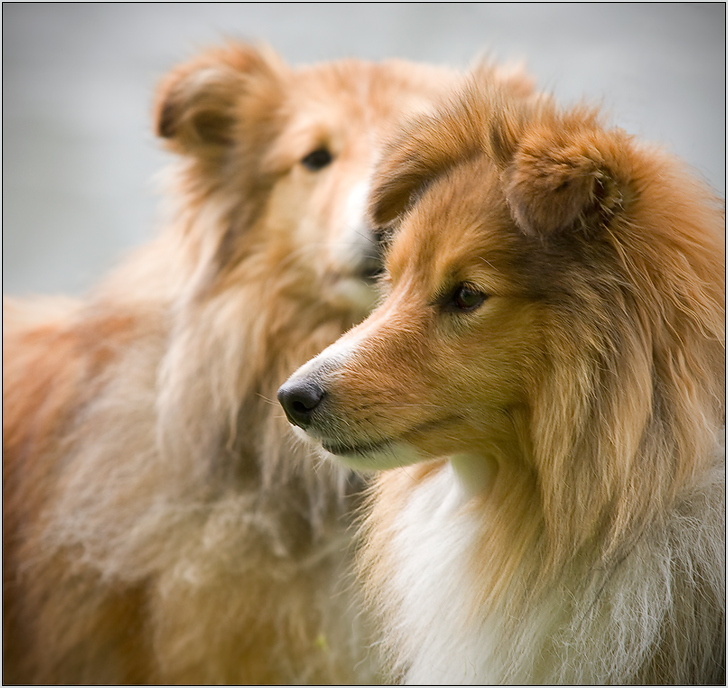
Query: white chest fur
441, 570
591, 626
432, 582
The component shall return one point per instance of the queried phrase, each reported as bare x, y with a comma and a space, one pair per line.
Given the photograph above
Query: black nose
299, 400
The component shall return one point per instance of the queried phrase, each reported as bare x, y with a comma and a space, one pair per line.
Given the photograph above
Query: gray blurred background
79, 158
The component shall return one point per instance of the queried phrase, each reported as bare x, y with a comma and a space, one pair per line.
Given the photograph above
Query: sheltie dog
544, 381
159, 523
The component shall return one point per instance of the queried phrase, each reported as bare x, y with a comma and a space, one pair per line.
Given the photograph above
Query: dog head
553, 302
282, 158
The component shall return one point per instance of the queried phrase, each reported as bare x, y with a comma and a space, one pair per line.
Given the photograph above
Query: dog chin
370, 460
364, 459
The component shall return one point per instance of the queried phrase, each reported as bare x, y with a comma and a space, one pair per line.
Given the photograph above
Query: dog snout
299, 399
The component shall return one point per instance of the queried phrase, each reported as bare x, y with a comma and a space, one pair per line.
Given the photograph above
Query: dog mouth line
368, 273
372, 447
357, 449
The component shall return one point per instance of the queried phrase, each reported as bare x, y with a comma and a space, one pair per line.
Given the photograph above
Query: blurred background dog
160, 525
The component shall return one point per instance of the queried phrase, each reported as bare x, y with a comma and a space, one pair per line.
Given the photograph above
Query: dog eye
465, 298
317, 160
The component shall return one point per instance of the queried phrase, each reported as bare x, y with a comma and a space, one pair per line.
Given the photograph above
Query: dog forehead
460, 220
375, 91
352, 106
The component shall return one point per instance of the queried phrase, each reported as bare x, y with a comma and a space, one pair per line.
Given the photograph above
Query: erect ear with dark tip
563, 175
197, 104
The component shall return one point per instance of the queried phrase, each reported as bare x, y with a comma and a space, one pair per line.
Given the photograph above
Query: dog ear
428, 146
559, 171
424, 149
199, 104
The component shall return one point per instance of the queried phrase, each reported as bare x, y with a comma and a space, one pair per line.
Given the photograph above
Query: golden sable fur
159, 523
547, 371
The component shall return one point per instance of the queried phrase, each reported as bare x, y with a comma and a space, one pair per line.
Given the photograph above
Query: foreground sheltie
545, 382
159, 524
